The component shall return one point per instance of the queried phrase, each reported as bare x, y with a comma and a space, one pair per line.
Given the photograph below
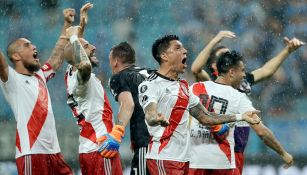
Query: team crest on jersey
144, 99
143, 89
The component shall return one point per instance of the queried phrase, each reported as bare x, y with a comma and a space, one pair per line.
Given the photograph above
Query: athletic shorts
47, 164
94, 164
167, 167
193, 171
138, 164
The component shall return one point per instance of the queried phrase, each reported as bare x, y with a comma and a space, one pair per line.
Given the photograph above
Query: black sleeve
118, 84
250, 78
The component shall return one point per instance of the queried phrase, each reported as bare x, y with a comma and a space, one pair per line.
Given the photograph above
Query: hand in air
293, 44
69, 15
224, 34
84, 17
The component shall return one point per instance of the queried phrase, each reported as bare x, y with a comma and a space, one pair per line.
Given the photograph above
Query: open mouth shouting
93, 59
184, 61
35, 56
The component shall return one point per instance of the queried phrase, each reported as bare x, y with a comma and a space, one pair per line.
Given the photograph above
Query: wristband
73, 38
239, 117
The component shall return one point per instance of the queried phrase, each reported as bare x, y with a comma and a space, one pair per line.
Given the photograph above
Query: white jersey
90, 105
29, 99
207, 150
173, 100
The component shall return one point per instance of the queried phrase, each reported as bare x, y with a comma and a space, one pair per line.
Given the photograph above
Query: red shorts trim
167, 167
193, 171
94, 164
239, 162
37, 164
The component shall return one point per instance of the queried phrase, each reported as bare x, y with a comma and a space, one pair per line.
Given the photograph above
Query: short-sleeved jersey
129, 80
90, 105
242, 130
208, 151
29, 99
173, 100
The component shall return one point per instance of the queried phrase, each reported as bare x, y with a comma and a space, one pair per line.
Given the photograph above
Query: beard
95, 63
32, 67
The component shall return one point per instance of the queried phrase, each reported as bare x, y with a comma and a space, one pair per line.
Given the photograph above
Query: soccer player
209, 55
167, 102
89, 103
124, 87
25, 89
216, 152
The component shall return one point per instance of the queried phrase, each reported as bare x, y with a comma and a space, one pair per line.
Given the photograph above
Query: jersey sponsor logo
143, 89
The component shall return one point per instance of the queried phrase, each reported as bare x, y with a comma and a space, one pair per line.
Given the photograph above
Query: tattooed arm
206, 118
153, 118
57, 56
81, 60
271, 141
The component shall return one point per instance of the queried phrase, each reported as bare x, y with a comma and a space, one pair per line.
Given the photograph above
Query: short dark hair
213, 57
228, 60
162, 44
125, 52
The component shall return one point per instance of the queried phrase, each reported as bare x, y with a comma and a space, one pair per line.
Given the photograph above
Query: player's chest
175, 93
32, 85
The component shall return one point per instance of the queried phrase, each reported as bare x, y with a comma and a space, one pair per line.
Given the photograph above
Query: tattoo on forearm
206, 118
57, 56
79, 52
270, 140
151, 114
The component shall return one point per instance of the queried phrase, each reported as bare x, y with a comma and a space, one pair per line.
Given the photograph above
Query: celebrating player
124, 87
167, 102
216, 154
25, 89
89, 103
209, 55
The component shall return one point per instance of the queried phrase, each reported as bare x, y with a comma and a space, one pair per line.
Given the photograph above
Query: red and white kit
91, 107
29, 99
173, 101
208, 151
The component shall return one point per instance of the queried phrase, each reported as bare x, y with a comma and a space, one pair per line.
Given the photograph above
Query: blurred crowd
259, 26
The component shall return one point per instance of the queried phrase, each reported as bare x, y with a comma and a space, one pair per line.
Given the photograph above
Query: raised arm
202, 58
82, 62
153, 118
270, 140
57, 55
206, 118
270, 67
3, 68
84, 18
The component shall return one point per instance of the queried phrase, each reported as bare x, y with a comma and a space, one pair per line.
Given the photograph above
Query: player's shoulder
152, 78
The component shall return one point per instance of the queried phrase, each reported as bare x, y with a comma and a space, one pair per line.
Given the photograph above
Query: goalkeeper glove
110, 142
221, 131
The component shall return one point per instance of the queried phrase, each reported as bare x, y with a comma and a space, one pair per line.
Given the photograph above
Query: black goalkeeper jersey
129, 80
